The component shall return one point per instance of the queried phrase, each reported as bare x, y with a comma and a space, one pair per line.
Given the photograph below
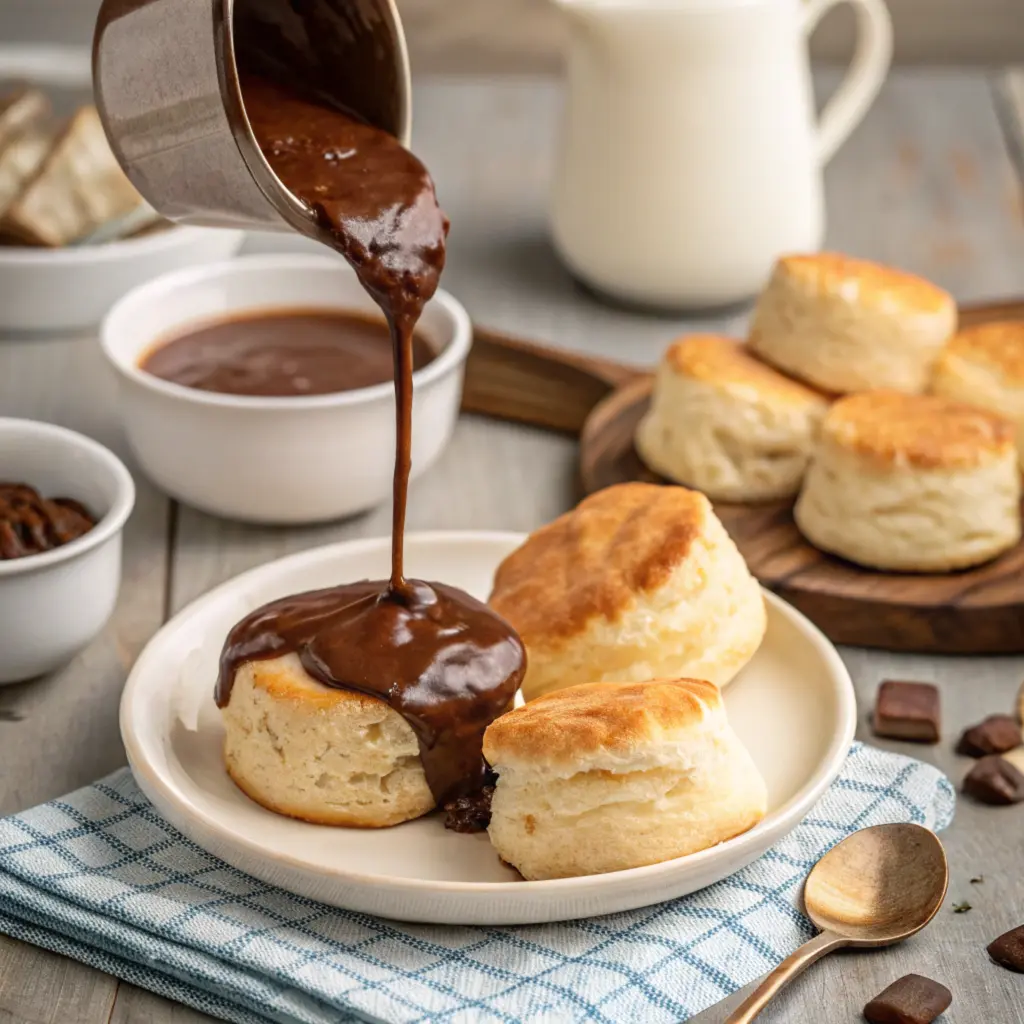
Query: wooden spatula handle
511, 379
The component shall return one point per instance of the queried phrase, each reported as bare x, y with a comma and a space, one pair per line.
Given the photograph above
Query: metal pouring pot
166, 80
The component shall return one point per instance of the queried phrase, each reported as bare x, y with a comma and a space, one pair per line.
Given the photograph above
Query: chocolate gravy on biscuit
441, 659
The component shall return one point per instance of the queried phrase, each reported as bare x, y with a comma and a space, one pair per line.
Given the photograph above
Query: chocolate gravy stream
441, 659
378, 204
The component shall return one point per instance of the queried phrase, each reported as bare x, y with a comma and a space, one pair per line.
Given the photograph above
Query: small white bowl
53, 604
285, 459
71, 289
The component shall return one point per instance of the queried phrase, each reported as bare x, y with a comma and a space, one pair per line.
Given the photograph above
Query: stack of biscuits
855, 396
635, 609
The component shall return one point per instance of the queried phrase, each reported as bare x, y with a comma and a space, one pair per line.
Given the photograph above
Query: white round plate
793, 706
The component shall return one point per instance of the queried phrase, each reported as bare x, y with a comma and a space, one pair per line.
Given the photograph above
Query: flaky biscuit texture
638, 582
984, 366
847, 325
728, 425
680, 782
318, 753
905, 517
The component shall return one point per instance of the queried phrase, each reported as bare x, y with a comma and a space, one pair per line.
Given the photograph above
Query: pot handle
871, 60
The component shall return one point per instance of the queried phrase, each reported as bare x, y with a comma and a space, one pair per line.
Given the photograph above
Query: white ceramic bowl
53, 604
53, 290
276, 460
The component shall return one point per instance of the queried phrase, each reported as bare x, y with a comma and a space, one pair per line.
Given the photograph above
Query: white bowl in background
279, 459
53, 604
58, 290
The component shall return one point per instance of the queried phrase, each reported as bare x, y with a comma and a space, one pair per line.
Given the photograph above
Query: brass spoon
879, 886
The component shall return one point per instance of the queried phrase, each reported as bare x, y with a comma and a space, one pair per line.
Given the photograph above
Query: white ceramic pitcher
690, 158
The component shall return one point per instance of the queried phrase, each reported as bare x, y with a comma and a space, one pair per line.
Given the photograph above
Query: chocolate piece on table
911, 999
993, 780
1008, 950
995, 735
907, 711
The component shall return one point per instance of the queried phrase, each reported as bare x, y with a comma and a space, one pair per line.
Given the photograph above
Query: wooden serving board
978, 611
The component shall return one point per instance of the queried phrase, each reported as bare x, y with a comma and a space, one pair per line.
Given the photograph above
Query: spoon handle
792, 966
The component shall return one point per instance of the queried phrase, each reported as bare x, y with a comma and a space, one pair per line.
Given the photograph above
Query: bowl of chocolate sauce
64, 500
262, 389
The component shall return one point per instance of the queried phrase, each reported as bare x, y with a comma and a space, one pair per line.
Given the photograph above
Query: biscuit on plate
638, 582
984, 366
847, 325
912, 483
607, 776
323, 754
724, 422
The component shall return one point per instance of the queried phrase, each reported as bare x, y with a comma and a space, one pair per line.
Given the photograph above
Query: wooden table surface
927, 183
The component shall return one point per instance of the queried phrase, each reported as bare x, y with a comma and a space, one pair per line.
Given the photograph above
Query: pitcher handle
865, 76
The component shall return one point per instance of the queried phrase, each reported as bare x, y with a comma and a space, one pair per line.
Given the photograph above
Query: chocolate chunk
993, 780
907, 711
470, 813
995, 735
31, 524
1008, 950
911, 999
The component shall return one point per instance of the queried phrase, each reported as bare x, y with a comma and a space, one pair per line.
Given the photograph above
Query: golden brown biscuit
724, 422
326, 755
638, 582
984, 366
848, 325
608, 776
912, 483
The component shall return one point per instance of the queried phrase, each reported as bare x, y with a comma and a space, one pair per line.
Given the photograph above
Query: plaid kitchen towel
101, 877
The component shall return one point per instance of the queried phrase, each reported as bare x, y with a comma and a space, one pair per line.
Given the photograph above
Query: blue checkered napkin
101, 877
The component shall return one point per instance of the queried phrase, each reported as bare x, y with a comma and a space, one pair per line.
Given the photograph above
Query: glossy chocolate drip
440, 658
31, 524
286, 353
445, 661
377, 204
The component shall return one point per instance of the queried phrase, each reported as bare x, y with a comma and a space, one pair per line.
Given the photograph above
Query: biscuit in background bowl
638, 582
609, 776
727, 424
912, 483
848, 325
984, 366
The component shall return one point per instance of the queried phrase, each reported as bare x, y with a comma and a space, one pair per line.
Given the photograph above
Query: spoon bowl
878, 886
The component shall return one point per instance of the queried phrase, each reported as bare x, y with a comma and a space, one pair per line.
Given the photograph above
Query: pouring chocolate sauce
440, 658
